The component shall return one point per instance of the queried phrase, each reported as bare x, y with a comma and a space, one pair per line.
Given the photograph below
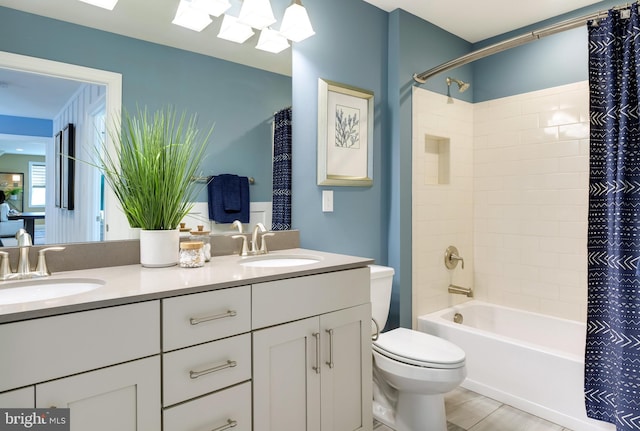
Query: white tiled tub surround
442, 213
516, 203
531, 161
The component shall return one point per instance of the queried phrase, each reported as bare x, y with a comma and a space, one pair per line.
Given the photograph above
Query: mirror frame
116, 224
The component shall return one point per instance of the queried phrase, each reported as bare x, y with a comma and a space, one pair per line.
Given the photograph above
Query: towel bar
207, 179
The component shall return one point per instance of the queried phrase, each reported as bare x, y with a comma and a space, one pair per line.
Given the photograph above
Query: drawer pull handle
316, 335
330, 361
230, 424
228, 364
196, 320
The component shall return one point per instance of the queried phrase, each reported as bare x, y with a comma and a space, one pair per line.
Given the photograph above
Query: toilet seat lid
420, 349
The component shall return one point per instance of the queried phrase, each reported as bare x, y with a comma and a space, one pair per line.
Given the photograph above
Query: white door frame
116, 223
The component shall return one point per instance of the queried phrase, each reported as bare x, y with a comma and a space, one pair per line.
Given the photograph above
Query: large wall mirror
96, 215
107, 73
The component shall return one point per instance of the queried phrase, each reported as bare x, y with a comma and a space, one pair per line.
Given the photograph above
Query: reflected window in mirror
37, 184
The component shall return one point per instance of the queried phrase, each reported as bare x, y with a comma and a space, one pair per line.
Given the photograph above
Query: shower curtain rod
512, 43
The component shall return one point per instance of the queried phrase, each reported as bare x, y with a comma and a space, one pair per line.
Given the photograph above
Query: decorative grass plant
152, 167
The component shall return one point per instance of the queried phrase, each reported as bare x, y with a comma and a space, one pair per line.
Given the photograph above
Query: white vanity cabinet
103, 364
291, 354
18, 398
124, 397
206, 367
313, 373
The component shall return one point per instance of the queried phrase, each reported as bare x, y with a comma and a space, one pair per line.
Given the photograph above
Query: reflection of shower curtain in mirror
282, 170
612, 360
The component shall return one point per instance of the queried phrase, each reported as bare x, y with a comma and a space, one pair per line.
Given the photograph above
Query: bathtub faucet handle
451, 257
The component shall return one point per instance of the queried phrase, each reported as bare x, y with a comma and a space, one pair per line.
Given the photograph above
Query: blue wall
239, 100
350, 48
415, 45
26, 126
552, 61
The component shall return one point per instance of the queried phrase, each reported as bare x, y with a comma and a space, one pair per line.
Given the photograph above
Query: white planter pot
159, 248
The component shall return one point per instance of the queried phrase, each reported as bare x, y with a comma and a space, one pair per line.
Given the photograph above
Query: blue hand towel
231, 195
218, 191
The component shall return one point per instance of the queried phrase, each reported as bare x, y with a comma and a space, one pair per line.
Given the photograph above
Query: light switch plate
327, 201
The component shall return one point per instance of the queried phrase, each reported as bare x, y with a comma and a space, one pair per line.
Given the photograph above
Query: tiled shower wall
531, 180
515, 205
442, 197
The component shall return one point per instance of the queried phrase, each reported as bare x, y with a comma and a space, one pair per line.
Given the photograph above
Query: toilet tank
381, 283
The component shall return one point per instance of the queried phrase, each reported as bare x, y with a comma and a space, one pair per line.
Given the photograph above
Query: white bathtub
527, 360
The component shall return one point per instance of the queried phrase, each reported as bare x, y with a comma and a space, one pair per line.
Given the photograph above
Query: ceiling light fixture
190, 17
211, 7
106, 4
232, 30
257, 14
272, 41
295, 24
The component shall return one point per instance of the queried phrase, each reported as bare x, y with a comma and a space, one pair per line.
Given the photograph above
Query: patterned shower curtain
612, 357
282, 170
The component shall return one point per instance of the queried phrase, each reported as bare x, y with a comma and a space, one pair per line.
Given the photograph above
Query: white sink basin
40, 290
279, 261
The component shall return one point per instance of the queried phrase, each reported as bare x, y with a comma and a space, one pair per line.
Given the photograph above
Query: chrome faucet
258, 236
237, 224
461, 290
24, 267
24, 243
259, 228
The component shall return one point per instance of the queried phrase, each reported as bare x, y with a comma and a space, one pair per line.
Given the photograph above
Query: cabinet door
19, 398
286, 379
124, 397
346, 378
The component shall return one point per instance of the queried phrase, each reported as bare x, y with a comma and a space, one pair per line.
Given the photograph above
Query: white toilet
411, 370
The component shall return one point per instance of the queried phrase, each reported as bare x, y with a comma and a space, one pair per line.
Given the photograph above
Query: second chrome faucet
259, 234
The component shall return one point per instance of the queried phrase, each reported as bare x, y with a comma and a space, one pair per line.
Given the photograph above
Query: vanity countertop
134, 283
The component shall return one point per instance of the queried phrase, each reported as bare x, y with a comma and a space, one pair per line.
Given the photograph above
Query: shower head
449, 98
462, 86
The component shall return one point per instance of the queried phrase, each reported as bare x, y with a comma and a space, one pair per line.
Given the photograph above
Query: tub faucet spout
461, 290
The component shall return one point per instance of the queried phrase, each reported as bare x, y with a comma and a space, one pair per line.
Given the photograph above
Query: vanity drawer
51, 347
202, 317
281, 301
230, 408
198, 370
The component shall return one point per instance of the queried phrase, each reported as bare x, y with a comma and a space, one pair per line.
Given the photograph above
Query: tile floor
468, 411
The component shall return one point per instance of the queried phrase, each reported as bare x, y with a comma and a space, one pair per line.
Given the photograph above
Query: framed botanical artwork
345, 135
68, 167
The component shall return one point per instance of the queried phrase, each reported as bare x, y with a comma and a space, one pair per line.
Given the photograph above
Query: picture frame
57, 163
68, 167
345, 135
